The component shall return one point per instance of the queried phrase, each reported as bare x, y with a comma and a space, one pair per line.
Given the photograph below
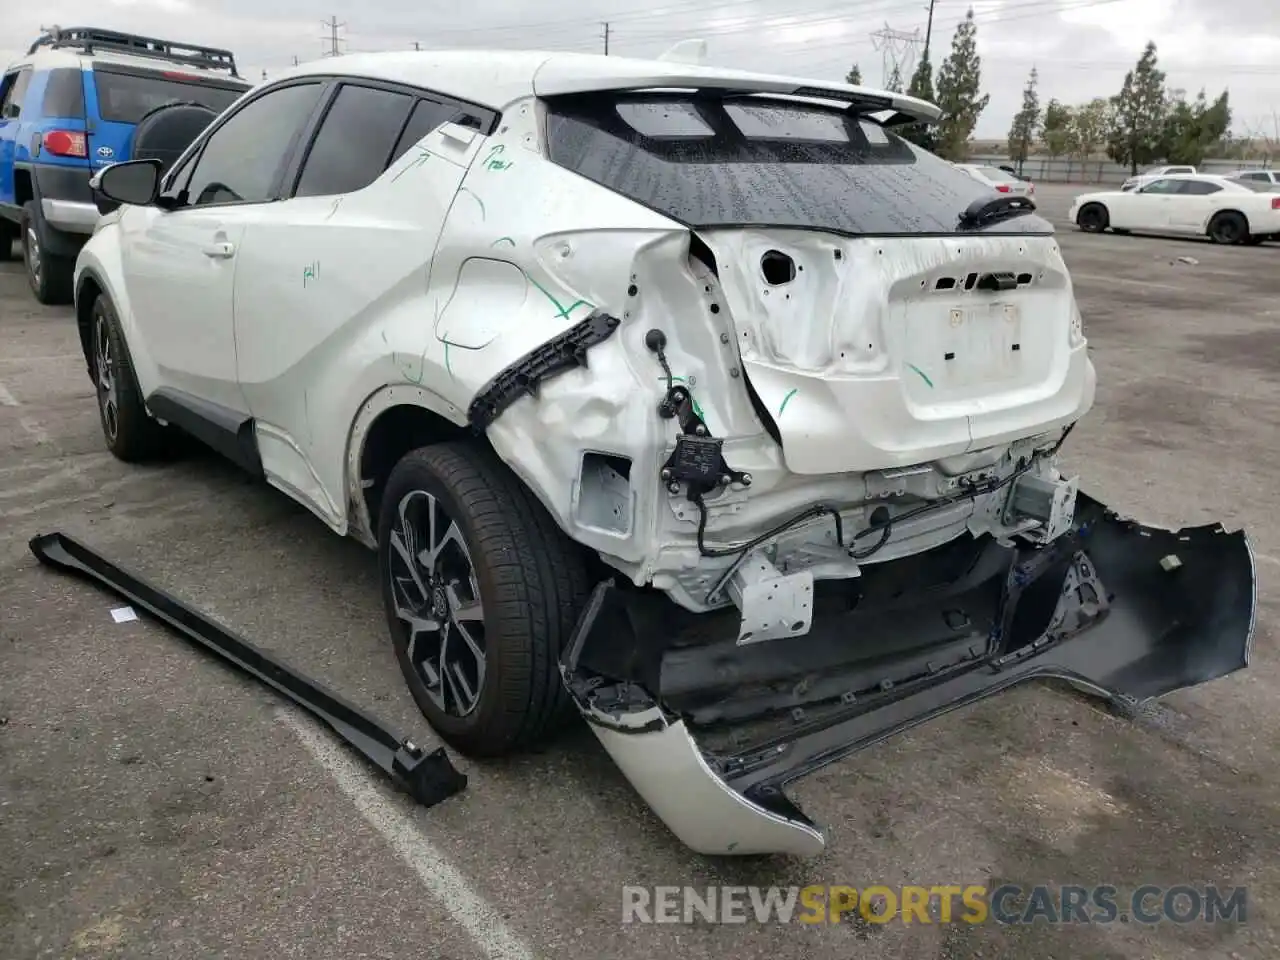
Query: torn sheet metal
712, 733
427, 777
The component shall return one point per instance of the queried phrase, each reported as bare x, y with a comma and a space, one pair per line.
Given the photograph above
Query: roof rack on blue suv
81, 99
90, 40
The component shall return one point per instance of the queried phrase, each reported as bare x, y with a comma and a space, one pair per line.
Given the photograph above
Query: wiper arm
988, 210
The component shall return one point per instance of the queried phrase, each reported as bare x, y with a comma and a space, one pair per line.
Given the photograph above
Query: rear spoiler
568, 74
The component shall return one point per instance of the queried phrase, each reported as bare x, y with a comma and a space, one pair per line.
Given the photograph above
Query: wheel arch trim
360, 524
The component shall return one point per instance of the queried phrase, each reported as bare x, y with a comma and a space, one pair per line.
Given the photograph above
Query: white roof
495, 78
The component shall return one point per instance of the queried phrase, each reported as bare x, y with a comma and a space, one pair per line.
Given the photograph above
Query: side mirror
135, 182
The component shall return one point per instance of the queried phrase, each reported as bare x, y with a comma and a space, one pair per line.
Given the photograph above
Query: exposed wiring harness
972, 490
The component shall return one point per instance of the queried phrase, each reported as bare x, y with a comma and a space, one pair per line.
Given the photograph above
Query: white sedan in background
1224, 210
998, 180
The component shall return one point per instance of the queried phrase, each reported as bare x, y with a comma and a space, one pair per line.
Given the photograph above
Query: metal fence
1067, 170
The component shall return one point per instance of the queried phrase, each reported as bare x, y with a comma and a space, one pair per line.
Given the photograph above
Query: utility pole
605, 24
928, 31
295, 59
333, 38
417, 46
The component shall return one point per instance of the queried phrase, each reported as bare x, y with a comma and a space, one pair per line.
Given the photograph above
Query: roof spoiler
563, 75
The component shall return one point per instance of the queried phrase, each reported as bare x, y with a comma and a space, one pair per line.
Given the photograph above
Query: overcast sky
1081, 47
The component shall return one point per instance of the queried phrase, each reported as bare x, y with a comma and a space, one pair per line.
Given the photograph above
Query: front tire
482, 591
130, 432
49, 277
1093, 218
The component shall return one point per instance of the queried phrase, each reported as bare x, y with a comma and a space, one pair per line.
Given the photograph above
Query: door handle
222, 250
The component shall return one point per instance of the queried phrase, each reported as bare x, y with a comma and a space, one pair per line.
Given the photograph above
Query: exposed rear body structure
694, 398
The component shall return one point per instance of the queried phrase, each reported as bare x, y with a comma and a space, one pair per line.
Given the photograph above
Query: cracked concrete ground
153, 804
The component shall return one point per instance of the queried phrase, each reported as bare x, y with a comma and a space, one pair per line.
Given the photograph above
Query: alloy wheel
106, 374
437, 601
31, 251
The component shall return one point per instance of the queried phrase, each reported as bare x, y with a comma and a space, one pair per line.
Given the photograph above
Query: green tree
1191, 130
854, 76
959, 91
1056, 128
1089, 125
1026, 122
1138, 114
893, 82
921, 87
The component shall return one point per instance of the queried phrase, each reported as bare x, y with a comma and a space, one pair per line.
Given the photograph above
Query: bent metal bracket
427, 777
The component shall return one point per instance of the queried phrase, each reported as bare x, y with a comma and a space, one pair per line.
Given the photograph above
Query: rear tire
1228, 228
132, 435
1093, 218
480, 606
49, 277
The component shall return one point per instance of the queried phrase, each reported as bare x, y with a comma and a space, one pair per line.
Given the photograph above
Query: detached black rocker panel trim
225, 430
427, 777
565, 351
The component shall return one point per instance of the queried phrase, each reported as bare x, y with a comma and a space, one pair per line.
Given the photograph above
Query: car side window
354, 142
1199, 188
15, 89
242, 159
426, 116
1161, 186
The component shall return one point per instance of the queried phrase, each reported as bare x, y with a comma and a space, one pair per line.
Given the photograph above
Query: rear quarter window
126, 97
64, 94
715, 161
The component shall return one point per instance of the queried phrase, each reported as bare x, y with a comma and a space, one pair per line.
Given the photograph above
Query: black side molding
427, 777
225, 430
565, 351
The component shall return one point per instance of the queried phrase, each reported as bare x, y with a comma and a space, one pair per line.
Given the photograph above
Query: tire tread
540, 583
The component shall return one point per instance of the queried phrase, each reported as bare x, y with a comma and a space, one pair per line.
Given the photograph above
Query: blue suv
68, 109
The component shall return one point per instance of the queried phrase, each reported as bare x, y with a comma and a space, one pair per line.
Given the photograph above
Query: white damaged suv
696, 399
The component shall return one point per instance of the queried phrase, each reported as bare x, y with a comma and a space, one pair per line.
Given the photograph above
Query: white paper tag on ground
123, 614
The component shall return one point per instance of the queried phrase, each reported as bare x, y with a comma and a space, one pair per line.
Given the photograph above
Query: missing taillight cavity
945, 283
777, 267
66, 143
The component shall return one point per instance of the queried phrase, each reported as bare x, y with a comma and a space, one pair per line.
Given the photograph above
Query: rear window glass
785, 122
711, 161
128, 97
996, 174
